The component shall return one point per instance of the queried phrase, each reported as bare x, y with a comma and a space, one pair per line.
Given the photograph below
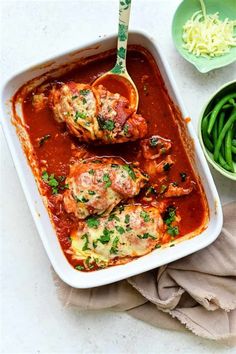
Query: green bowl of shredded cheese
204, 32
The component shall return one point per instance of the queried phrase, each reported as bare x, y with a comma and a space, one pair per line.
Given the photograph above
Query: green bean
217, 109
223, 163
205, 137
228, 145
215, 132
226, 127
221, 122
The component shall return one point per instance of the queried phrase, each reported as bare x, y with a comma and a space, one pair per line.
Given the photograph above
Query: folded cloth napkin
197, 292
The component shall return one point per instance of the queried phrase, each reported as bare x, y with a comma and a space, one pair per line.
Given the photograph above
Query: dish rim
92, 279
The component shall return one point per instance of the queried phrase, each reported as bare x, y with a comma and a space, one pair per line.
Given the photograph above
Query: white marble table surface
32, 318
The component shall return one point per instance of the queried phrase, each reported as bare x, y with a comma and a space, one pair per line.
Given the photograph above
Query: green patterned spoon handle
124, 14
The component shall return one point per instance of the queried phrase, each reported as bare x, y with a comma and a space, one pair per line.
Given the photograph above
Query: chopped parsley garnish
120, 229
114, 247
84, 92
81, 199
163, 188
153, 141
86, 242
158, 246
91, 172
173, 230
130, 171
106, 179
151, 190
183, 176
74, 97
126, 129
93, 222
105, 124
43, 139
79, 267
127, 219
145, 216
114, 165
113, 217
166, 166
91, 192
146, 235
128, 228
84, 101
172, 245
79, 115
175, 184
51, 181
104, 238
169, 215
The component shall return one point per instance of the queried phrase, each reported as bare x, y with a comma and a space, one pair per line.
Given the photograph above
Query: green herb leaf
91, 192
43, 139
145, 216
105, 124
120, 229
169, 215
114, 247
166, 166
146, 235
86, 242
91, 172
79, 115
163, 188
183, 176
81, 199
105, 238
74, 97
126, 129
130, 171
93, 222
173, 230
79, 267
127, 219
84, 92
113, 217
106, 179
153, 141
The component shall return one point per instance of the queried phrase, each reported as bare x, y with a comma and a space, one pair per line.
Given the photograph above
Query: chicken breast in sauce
130, 231
95, 114
96, 186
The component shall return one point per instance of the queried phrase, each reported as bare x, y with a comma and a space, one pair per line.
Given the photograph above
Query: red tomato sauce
154, 104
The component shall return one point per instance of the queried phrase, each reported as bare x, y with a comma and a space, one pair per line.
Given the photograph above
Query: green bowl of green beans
217, 130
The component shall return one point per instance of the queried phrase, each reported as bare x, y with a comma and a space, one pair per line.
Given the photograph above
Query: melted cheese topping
97, 186
129, 232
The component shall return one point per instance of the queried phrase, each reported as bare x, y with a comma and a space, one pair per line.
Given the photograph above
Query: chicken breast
95, 114
130, 231
96, 186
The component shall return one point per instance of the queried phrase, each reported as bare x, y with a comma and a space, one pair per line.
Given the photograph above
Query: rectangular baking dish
39, 212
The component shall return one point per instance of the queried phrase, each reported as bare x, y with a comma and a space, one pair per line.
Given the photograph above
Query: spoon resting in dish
118, 78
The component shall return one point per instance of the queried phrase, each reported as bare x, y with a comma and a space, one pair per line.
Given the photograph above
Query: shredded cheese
208, 36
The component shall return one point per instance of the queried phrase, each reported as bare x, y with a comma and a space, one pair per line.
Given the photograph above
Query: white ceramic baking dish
39, 212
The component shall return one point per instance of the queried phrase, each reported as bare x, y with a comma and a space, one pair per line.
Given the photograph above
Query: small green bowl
226, 8
230, 87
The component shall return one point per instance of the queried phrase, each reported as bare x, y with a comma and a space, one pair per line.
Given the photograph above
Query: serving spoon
118, 78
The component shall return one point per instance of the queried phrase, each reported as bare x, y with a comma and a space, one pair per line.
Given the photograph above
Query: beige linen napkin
197, 292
